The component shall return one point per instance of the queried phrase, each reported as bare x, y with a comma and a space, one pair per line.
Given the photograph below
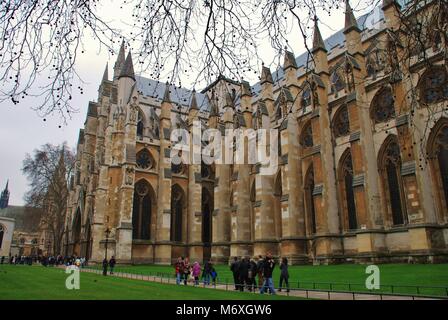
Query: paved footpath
302, 293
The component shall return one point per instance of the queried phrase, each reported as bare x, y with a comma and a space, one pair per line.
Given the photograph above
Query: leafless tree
48, 171
178, 40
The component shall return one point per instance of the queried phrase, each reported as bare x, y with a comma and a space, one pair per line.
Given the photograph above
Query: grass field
39, 283
403, 277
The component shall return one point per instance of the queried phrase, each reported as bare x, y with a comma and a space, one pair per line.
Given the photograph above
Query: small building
6, 232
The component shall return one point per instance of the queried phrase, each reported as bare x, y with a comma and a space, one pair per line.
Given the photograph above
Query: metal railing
318, 289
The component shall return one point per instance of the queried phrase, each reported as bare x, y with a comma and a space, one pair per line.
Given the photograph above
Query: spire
106, 73
318, 42
213, 106
290, 61
229, 100
166, 95
128, 68
119, 62
350, 20
266, 75
245, 89
193, 103
4, 198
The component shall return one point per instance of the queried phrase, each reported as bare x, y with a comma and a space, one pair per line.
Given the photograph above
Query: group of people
44, 260
109, 264
186, 272
246, 271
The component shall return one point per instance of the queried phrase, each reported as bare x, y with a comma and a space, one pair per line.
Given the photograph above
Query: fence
353, 290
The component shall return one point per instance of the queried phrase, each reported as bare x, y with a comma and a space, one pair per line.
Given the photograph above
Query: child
214, 275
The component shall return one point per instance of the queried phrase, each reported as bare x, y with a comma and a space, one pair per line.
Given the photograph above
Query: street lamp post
107, 232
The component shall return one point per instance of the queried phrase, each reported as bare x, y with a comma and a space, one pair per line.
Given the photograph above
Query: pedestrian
112, 263
251, 274
196, 272
214, 275
268, 269
243, 270
3, 259
284, 275
105, 267
234, 267
260, 271
179, 269
206, 273
186, 270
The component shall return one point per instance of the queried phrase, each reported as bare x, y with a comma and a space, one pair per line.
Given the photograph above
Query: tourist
268, 269
112, 263
186, 270
195, 272
206, 272
234, 268
243, 270
179, 269
105, 267
251, 274
214, 275
260, 270
284, 275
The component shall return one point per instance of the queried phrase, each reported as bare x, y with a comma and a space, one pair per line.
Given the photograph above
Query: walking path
302, 293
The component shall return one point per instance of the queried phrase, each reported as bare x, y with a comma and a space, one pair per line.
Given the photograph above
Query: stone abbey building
352, 185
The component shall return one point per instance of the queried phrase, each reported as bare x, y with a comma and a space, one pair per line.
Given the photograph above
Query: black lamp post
66, 242
107, 232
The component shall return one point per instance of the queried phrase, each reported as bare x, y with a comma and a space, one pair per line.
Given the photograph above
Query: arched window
306, 97
382, 108
177, 204
309, 200
141, 211
337, 81
438, 153
144, 159
207, 207
434, 85
341, 125
2, 233
346, 185
278, 192
140, 125
306, 139
390, 165
77, 227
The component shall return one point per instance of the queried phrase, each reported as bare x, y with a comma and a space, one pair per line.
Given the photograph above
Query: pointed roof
120, 58
7, 183
106, 73
289, 61
128, 68
350, 20
166, 95
266, 75
193, 103
245, 89
229, 100
318, 41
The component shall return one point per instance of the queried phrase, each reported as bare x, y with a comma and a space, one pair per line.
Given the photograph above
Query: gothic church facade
351, 183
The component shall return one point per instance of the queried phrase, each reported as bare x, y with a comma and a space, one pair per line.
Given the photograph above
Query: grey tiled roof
156, 89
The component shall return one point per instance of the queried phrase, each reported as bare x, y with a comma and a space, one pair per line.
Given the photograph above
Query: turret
126, 81
120, 62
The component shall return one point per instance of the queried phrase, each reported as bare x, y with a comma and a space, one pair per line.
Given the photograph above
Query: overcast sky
22, 130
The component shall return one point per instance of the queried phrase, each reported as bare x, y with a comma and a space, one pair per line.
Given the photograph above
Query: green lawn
37, 283
398, 275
